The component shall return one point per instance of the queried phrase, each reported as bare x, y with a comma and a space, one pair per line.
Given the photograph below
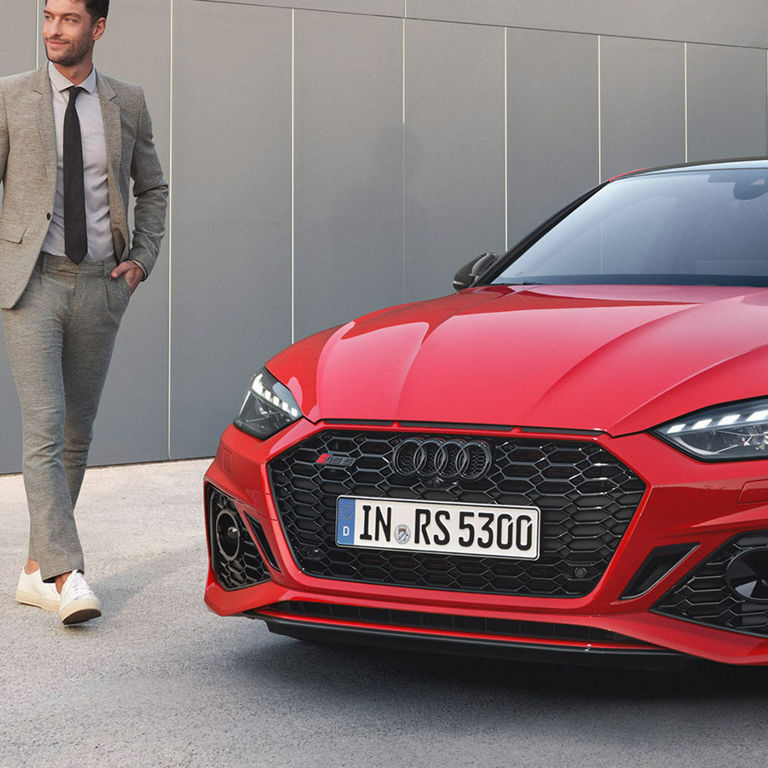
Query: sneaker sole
85, 611
31, 598
80, 616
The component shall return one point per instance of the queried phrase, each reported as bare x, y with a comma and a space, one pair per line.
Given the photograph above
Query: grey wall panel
18, 33
348, 173
454, 151
726, 102
642, 104
705, 21
231, 284
132, 424
10, 416
18, 36
552, 123
366, 7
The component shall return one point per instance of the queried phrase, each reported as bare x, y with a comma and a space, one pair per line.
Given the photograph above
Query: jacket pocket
13, 233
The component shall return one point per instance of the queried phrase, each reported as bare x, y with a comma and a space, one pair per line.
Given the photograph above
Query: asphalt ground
159, 681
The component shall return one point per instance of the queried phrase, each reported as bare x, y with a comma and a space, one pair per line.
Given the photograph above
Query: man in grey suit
70, 141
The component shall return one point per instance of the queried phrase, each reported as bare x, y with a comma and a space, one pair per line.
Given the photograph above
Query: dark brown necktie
75, 234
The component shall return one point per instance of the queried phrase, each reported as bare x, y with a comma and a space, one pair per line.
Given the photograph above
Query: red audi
566, 459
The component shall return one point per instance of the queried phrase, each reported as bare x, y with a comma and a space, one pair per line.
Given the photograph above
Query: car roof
739, 163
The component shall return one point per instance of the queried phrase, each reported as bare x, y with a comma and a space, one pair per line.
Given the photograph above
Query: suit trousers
60, 337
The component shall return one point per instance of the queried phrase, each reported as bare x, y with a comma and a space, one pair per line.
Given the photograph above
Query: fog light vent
729, 590
235, 559
227, 533
747, 575
656, 566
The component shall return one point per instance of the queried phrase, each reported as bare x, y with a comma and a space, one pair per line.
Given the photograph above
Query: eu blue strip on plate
345, 521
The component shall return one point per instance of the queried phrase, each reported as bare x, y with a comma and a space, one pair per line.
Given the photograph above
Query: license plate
431, 526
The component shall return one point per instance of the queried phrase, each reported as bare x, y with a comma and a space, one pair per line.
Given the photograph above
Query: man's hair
97, 9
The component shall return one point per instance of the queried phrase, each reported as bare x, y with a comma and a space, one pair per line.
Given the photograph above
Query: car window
702, 227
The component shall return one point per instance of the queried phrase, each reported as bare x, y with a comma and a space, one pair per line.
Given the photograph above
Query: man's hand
131, 272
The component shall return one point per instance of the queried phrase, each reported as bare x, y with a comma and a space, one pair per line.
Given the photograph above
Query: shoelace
75, 587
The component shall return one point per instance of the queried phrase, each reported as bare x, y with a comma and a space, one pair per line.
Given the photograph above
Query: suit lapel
110, 114
113, 134
44, 98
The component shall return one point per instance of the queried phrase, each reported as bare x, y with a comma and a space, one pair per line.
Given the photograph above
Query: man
70, 139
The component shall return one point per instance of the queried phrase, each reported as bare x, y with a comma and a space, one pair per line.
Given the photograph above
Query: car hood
614, 358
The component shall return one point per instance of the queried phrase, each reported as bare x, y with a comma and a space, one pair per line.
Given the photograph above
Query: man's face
68, 31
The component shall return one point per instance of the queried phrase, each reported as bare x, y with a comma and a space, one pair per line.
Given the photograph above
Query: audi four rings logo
449, 459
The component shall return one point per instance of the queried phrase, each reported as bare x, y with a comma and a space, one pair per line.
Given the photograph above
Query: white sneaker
78, 603
32, 590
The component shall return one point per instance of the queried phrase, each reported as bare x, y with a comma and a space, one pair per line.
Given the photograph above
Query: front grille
479, 625
587, 498
243, 567
704, 596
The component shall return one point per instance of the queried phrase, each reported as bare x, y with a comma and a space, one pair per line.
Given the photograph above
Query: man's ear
98, 29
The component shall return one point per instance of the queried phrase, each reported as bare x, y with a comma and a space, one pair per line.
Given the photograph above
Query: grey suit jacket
28, 174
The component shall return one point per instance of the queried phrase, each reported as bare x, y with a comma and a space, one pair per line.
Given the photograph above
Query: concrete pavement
160, 682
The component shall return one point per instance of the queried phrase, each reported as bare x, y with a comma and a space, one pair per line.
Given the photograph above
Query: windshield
684, 227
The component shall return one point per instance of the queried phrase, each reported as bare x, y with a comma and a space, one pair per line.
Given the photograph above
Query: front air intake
656, 566
235, 559
261, 537
729, 590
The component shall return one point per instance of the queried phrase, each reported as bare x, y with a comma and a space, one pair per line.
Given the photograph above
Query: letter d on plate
345, 521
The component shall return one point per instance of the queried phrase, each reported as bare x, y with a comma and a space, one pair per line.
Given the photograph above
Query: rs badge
335, 460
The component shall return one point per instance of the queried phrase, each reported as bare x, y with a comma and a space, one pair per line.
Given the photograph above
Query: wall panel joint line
685, 96
170, 225
599, 111
293, 175
506, 141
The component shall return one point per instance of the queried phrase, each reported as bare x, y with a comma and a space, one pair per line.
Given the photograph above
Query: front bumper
688, 508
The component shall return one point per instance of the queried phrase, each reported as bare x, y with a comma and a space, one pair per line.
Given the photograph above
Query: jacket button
48, 216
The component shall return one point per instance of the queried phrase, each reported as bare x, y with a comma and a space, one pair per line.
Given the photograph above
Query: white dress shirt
88, 106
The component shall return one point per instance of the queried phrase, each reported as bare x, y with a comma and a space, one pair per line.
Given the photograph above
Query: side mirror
467, 275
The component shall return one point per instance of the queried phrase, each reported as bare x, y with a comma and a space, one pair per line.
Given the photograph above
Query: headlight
268, 407
724, 433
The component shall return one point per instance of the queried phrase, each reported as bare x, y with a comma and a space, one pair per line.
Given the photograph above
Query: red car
567, 459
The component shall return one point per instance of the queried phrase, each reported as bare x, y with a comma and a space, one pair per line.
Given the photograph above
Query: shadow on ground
352, 668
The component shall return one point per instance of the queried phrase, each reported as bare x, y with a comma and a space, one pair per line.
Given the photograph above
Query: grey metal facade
332, 157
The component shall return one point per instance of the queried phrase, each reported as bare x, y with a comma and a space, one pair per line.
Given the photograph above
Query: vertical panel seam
685, 97
170, 223
293, 175
506, 141
402, 73
402, 166
599, 110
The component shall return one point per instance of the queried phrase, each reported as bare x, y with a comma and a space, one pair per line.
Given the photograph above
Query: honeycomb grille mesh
705, 598
587, 498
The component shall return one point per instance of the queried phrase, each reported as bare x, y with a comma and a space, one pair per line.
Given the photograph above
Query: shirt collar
61, 83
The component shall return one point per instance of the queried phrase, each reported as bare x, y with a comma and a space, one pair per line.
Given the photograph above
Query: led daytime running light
269, 406
733, 419
734, 432
261, 391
